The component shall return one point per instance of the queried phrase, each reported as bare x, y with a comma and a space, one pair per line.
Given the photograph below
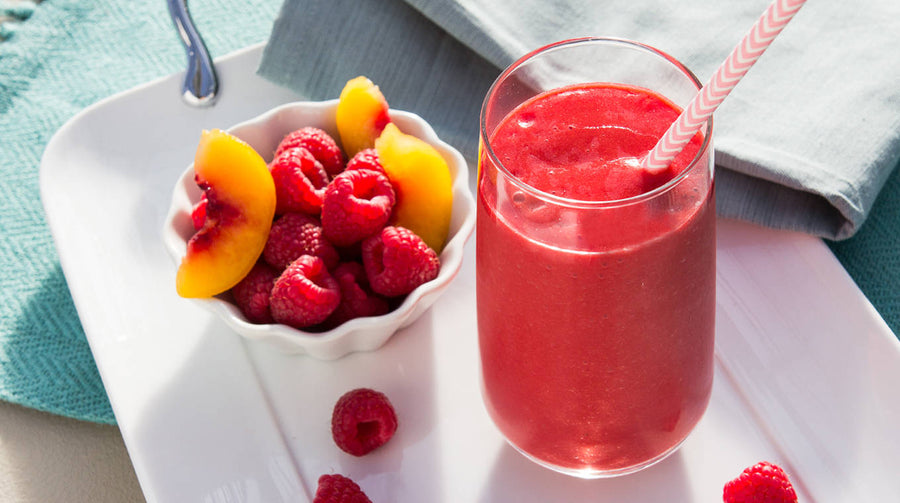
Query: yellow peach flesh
421, 180
361, 115
239, 214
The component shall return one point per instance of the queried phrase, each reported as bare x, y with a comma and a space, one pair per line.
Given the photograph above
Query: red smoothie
595, 318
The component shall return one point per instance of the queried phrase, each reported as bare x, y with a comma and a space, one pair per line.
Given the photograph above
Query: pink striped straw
753, 45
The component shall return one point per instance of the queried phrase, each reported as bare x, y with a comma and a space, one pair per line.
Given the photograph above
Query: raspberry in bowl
338, 269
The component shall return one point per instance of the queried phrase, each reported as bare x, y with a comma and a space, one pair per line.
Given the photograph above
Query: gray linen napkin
805, 141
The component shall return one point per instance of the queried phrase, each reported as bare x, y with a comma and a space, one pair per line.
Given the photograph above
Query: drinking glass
596, 318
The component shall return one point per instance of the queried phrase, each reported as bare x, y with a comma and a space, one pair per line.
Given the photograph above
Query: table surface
48, 458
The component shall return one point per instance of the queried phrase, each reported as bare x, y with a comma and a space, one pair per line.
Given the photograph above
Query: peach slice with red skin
422, 183
240, 207
362, 113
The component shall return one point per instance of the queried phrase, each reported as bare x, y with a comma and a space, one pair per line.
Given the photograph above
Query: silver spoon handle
201, 84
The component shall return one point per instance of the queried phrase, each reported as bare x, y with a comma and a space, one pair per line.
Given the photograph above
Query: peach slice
240, 206
362, 113
421, 180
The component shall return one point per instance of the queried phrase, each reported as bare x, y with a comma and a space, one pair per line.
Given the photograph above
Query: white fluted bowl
264, 133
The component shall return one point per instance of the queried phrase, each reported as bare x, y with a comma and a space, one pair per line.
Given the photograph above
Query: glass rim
581, 203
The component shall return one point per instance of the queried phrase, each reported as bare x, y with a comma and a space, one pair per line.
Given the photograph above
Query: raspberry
357, 298
763, 482
251, 294
320, 145
305, 293
198, 213
363, 420
296, 234
365, 159
397, 261
300, 182
339, 489
357, 204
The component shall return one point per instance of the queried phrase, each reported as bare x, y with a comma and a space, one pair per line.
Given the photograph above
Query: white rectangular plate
806, 370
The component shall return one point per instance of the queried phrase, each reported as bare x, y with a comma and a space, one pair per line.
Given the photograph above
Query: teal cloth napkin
66, 55
872, 256
805, 141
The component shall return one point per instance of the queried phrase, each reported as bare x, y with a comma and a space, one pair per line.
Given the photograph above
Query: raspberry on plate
763, 482
305, 294
357, 204
295, 234
397, 261
363, 420
252, 293
320, 144
337, 488
366, 159
300, 182
357, 297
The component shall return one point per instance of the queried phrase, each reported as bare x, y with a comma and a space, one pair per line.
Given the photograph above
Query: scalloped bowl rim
360, 334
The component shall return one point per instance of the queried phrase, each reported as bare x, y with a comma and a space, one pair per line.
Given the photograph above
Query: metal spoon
201, 84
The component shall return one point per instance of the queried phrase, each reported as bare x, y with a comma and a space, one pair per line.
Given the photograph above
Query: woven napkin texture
56, 59
872, 256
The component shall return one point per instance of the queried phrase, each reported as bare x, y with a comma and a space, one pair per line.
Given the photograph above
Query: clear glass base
598, 472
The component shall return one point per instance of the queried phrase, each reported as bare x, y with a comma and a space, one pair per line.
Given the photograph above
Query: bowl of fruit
321, 228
